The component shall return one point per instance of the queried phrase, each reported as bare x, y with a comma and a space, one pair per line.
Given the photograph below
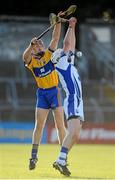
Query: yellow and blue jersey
44, 71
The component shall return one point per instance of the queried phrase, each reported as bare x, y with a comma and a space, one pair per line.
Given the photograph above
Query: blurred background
20, 21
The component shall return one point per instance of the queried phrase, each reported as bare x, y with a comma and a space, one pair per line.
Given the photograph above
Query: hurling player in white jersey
73, 102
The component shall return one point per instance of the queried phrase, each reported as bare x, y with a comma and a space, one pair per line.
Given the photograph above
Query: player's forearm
67, 40
55, 36
56, 31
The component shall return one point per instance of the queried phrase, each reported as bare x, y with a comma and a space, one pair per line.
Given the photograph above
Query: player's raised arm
70, 39
55, 36
56, 32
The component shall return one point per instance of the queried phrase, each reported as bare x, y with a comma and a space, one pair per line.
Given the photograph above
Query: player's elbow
24, 57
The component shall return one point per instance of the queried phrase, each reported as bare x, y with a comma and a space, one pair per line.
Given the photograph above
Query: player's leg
54, 97
73, 107
73, 133
41, 113
74, 126
59, 123
40, 119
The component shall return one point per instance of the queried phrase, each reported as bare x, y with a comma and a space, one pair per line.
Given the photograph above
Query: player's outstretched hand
72, 21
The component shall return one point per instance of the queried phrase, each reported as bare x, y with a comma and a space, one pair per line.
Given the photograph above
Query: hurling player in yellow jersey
38, 59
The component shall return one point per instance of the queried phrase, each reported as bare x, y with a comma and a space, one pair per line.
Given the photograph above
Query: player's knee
60, 127
74, 135
39, 126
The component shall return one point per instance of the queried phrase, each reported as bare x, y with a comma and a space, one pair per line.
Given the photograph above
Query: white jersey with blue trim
71, 84
68, 75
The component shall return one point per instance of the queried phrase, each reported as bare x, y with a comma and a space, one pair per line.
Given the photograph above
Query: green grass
85, 162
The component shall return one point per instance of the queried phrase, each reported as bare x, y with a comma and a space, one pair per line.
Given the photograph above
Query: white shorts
73, 107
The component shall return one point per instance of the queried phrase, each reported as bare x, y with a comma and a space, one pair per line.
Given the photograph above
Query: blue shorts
48, 98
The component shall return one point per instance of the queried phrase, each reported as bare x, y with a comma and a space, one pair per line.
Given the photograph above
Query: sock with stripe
34, 151
63, 156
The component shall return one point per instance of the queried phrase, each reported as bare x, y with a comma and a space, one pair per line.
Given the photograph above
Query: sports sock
34, 151
63, 156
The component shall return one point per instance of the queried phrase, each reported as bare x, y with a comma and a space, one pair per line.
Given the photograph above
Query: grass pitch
85, 162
